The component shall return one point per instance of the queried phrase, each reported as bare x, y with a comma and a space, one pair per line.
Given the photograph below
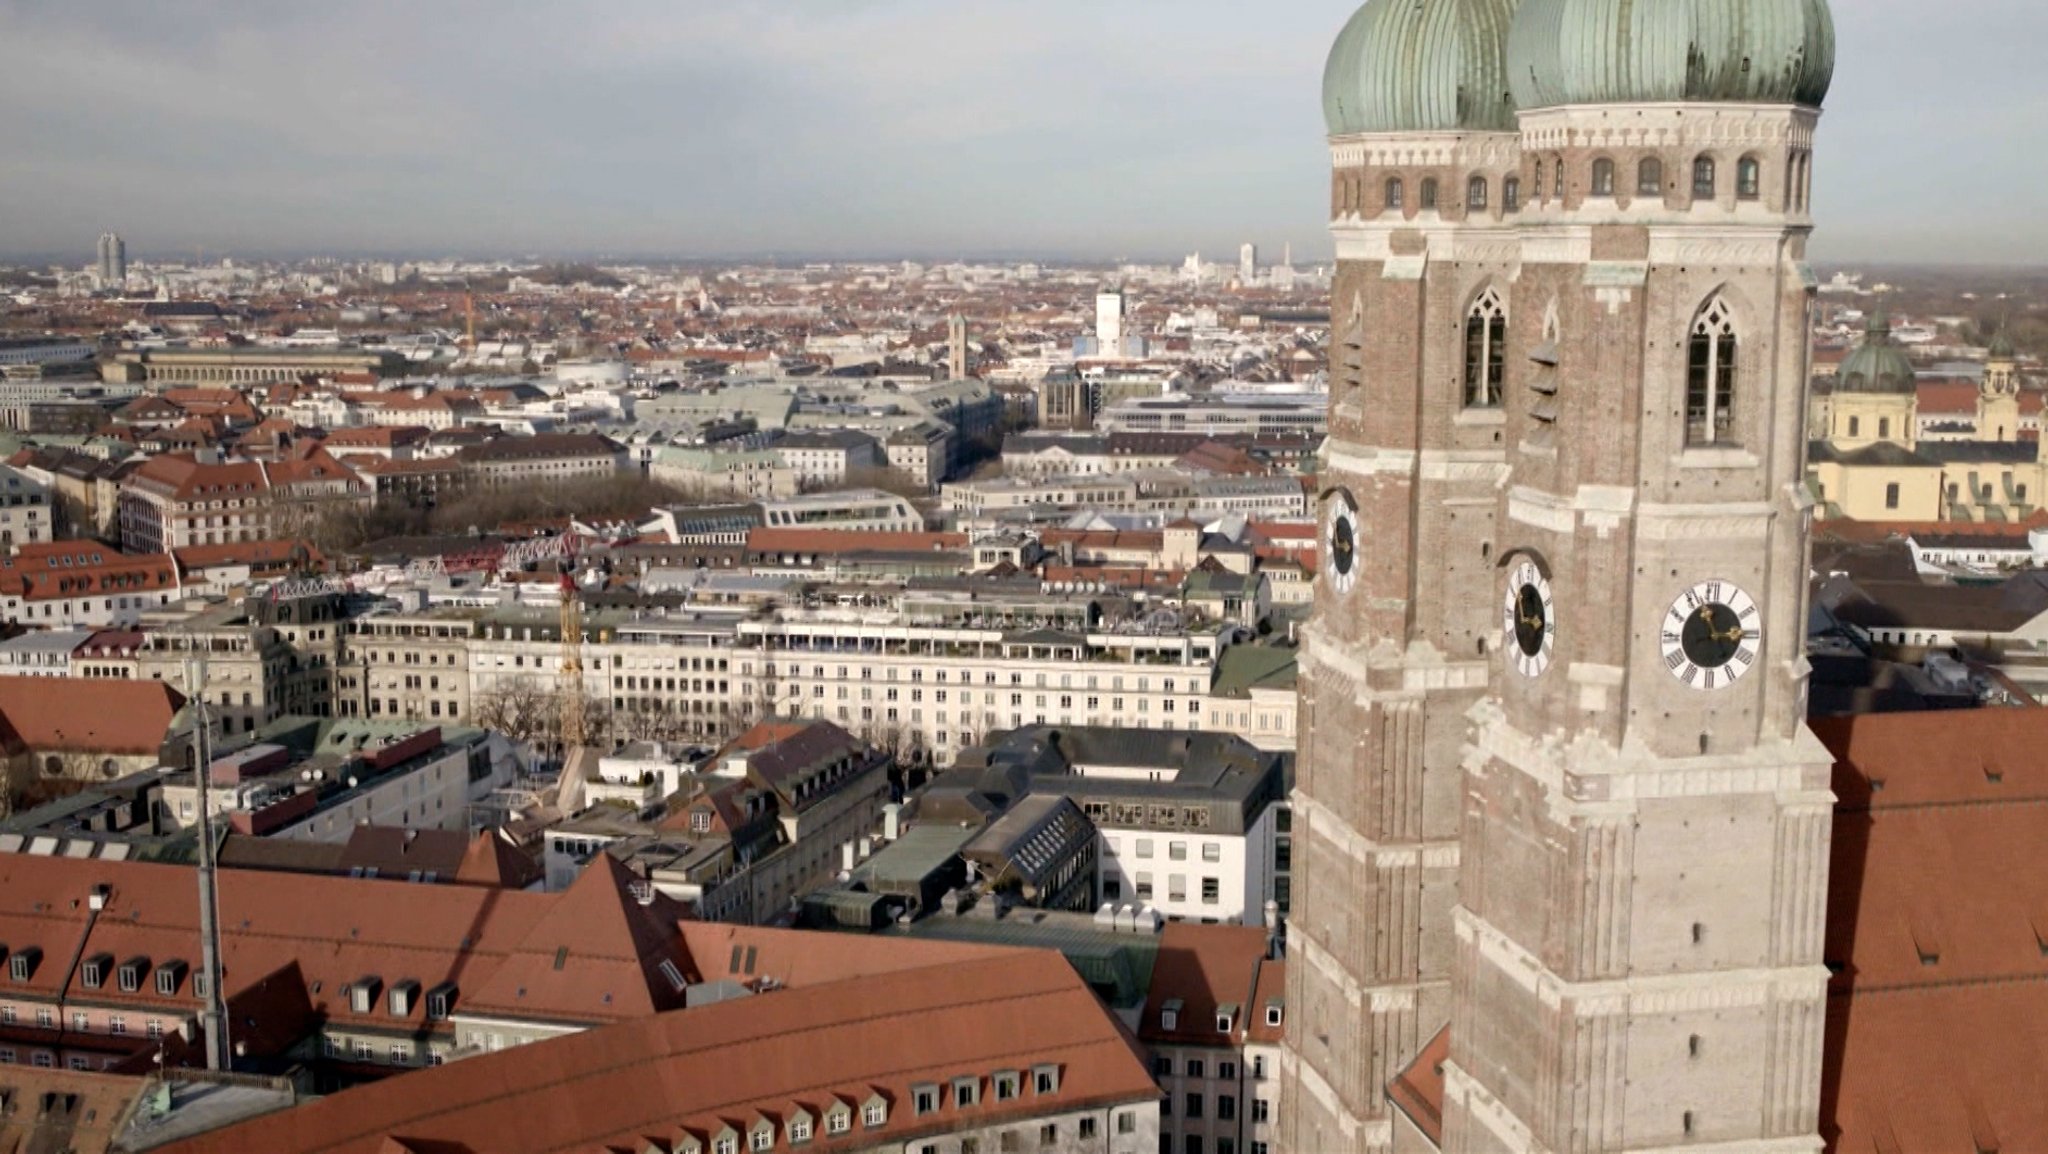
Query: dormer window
1169, 1015
966, 1092
924, 1099
762, 1136
1045, 1079
130, 975
839, 1119
875, 1113
440, 1002
1273, 1013
1226, 1017
93, 973
1006, 1085
362, 996
799, 1129
404, 996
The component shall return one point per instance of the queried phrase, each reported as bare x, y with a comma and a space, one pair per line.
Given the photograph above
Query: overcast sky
1076, 128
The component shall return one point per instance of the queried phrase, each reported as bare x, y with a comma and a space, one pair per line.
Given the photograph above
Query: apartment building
508, 461
262, 659
933, 672
826, 457
752, 829
1214, 991
725, 471
1190, 821
70, 584
27, 514
310, 780
44, 653
178, 500
412, 665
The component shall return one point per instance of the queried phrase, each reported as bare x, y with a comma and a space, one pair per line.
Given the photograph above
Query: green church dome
1659, 51
1421, 66
1877, 365
2002, 347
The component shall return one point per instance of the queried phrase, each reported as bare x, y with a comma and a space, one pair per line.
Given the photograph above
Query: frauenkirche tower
1556, 793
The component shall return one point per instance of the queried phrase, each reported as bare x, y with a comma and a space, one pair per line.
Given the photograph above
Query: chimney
892, 821
867, 848
846, 856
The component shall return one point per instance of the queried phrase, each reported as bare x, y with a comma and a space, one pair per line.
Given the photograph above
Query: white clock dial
1528, 620
1712, 636
1340, 546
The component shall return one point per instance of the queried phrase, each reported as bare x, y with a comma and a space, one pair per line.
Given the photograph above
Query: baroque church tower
1556, 791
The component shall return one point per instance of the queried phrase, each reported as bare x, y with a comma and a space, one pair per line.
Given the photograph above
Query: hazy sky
1086, 128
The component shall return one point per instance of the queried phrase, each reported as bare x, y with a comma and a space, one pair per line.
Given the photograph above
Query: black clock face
1343, 545
1532, 620
1713, 635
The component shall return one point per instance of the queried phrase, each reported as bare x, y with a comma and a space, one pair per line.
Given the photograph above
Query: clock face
1529, 620
1713, 635
1341, 542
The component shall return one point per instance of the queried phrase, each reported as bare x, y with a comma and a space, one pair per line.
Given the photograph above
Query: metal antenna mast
212, 1014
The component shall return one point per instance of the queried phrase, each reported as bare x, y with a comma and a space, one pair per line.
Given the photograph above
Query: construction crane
570, 687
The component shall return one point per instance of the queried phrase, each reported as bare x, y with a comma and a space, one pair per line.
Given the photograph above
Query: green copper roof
2002, 347
1649, 51
1421, 66
1877, 365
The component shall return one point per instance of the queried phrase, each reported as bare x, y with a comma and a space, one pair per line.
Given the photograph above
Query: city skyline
871, 130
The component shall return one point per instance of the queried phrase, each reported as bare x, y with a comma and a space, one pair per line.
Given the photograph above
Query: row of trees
343, 528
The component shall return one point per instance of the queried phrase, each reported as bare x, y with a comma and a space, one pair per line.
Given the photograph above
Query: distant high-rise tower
113, 263
956, 347
1109, 322
1247, 264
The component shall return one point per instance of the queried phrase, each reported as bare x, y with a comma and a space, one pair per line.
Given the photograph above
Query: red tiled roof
1203, 968
735, 1062
619, 939
1947, 398
61, 570
1937, 919
1419, 1090
116, 717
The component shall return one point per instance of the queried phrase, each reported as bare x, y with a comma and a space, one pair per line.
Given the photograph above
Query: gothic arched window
1703, 177
1429, 194
1749, 178
1710, 377
1650, 177
1511, 194
1557, 166
1486, 351
1603, 177
1394, 197
1475, 194
1540, 186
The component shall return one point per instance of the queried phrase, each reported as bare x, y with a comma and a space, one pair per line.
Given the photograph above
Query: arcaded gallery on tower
1563, 834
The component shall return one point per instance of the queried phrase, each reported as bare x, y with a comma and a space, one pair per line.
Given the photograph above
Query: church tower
1645, 848
1565, 586
1424, 200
